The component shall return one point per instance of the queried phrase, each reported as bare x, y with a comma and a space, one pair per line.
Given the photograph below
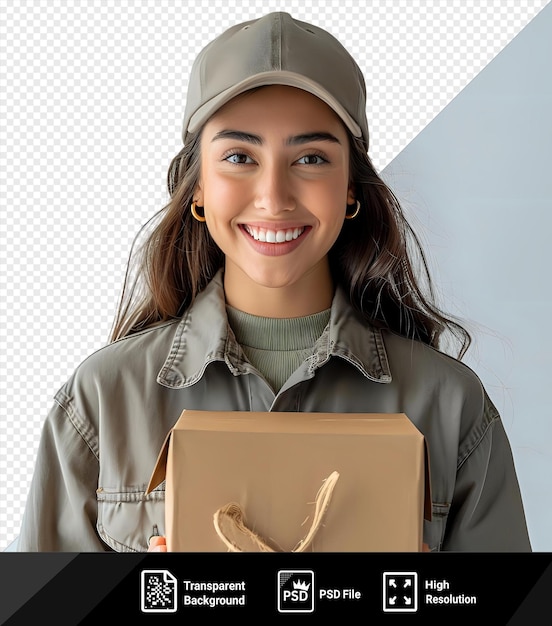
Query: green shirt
277, 346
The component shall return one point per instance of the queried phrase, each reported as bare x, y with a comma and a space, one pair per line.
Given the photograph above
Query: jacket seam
484, 432
67, 406
129, 495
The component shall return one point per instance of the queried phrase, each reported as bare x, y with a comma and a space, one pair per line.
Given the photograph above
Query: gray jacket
101, 439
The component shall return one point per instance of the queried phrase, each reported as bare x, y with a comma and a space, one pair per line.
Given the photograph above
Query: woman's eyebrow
239, 136
295, 140
308, 137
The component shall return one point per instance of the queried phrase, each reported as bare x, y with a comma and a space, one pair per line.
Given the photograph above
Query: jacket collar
203, 335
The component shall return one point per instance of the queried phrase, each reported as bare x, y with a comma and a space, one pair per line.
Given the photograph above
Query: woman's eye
239, 159
311, 159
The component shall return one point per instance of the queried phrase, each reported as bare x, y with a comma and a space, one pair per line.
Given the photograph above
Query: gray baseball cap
276, 50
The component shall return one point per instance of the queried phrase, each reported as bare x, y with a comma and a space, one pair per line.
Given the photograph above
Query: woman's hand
157, 544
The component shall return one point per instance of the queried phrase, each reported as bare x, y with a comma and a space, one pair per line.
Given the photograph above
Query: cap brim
262, 80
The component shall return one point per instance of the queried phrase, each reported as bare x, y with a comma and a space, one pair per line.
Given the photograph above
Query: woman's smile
280, 235
275, 241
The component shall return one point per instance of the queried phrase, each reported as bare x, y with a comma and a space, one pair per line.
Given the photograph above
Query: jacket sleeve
61, 508
486, 513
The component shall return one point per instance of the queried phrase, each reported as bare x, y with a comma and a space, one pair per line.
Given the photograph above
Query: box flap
293, 422
158, 474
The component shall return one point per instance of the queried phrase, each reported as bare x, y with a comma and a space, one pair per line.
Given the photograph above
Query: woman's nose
274, 190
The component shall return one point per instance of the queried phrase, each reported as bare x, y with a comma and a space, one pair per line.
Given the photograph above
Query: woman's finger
157, 544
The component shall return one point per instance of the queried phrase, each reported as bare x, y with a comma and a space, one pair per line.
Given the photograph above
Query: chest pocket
127, 519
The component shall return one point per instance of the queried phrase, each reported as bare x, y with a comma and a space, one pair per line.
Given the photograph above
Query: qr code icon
158, 591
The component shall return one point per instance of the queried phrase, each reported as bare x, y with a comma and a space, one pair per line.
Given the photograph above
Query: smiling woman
281, 276
274, 193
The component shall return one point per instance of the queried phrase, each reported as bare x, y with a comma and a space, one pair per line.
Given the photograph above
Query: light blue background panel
477, 184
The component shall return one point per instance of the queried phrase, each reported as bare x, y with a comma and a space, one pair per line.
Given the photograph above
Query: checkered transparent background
92, 101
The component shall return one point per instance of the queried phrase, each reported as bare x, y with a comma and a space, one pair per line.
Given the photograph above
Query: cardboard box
372, 470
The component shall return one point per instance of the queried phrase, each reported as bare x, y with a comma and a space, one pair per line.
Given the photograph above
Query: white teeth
274, 236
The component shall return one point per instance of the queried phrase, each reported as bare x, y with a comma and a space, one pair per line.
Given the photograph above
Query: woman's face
274, 185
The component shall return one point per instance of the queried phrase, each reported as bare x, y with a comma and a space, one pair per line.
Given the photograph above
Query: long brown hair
377, 259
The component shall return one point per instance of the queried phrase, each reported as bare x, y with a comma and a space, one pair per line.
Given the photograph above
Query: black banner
67, 589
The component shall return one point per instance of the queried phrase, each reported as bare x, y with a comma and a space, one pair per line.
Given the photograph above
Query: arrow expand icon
400, 592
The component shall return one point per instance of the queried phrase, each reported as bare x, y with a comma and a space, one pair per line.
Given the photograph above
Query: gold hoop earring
353, 215
193, 209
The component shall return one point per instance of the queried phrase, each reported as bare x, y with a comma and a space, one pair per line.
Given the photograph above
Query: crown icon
299, 584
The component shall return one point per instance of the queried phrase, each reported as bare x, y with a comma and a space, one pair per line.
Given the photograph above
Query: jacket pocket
434, 531
128, 518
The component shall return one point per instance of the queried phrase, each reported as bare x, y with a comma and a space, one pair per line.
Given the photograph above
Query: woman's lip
274, 225
275, 249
